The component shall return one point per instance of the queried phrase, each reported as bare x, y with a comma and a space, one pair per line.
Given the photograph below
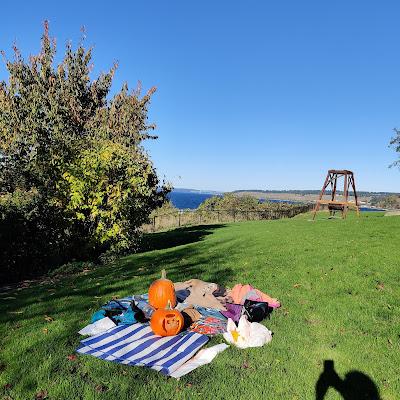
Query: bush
31, 236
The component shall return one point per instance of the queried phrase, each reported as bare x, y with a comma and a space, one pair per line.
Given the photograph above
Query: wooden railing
200, 217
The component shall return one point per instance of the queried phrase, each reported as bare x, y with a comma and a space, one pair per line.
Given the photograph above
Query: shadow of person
355, 385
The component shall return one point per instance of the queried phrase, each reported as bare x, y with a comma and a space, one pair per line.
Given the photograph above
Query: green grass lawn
338, 281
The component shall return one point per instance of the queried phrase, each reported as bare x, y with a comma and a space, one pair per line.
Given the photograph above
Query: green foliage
31, 235
230, 201
391, 201
166, 208
395, 143
80, 151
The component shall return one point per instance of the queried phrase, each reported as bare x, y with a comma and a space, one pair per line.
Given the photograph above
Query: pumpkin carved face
166, 322
161, 292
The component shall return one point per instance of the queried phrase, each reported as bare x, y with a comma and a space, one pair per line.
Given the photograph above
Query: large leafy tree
65, 142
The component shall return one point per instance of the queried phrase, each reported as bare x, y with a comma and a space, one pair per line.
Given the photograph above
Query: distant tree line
388, 202
315, 192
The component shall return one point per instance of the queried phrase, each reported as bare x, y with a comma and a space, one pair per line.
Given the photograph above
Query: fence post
217, 216
179, 219
234, 216
199, 218
154, 223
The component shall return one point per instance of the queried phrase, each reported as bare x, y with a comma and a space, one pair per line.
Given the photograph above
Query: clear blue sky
250, 93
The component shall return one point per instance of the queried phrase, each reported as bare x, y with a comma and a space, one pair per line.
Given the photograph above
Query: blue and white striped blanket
137, 345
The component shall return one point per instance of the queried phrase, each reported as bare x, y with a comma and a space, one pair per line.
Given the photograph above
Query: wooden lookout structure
332, 203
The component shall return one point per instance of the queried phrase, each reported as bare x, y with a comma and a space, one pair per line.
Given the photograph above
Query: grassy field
338, 282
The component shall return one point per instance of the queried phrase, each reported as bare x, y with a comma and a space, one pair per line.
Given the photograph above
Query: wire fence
200, 217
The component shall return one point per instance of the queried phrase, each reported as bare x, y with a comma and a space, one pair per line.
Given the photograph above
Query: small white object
247, 334
100, 326
181, 306
203, 357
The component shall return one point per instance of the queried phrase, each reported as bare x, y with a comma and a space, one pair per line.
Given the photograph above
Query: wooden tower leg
355, 196
333, 189
346, 197
321, 194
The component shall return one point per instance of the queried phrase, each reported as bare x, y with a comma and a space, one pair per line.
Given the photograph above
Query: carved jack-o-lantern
166, 322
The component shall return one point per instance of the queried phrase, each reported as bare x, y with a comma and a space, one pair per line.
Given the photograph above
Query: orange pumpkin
166, 322
161, 292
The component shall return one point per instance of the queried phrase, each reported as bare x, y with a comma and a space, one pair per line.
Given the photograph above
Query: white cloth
247, 334
203, 357
100, 326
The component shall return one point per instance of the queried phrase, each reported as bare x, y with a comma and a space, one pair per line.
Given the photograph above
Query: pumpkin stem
163, 274
169, 306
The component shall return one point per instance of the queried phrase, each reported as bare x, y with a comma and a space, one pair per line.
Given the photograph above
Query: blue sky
254, 94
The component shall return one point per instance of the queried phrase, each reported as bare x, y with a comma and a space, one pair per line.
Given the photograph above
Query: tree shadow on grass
82, 294
355, 385
176, 237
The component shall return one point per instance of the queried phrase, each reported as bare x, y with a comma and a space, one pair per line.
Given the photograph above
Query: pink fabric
240, 293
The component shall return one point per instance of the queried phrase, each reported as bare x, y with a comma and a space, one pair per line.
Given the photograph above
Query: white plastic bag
247, 334
204, 356
100, 326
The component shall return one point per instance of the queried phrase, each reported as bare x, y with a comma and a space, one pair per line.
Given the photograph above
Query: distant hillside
184, 190
311, 192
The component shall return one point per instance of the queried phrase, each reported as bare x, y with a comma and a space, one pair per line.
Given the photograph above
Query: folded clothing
137, 345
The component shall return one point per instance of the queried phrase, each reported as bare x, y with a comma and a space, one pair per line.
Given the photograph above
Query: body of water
188, 200
191, 200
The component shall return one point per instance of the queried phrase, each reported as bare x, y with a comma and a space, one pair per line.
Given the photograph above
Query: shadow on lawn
84, 293
355, 385
176, 237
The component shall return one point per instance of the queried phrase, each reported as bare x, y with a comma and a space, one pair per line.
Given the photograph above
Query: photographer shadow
355, 385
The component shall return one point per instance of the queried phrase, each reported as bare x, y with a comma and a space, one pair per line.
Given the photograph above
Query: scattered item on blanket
144, 306
120, 312
111, 309
161, 292
100, 326
201, 293
181, 295
220, 291
208, 326
181, 306
137, 345
256, 311
240, 293
233, 311
210, 312
192, 313
139, 314
166, 322
247, 334
203, 357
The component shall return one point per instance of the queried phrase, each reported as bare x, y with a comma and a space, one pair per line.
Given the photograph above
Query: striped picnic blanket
137, 345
